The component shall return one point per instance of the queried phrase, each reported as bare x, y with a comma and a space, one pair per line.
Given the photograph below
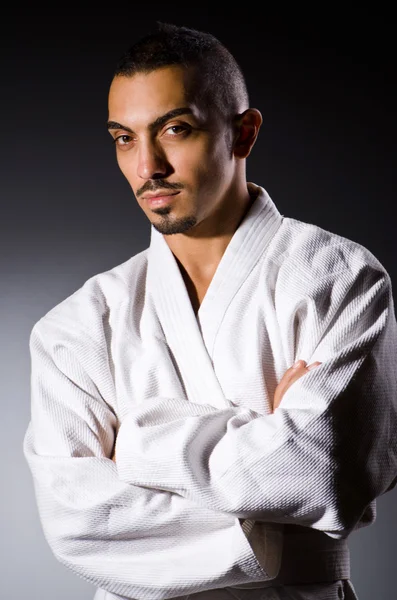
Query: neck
199, 251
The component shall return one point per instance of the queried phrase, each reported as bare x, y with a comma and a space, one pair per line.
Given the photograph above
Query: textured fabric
338, 590
187, 400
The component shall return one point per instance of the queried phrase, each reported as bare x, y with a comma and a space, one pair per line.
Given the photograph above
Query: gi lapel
241, 256
180, 327
192, 348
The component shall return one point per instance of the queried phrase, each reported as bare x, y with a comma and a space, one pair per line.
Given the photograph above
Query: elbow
68, 547
75, 536
352, 510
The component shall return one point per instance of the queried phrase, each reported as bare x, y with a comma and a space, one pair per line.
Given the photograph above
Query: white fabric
188, 400
338, 590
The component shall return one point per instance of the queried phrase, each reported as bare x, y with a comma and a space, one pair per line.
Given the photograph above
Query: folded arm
131, 541
320, 460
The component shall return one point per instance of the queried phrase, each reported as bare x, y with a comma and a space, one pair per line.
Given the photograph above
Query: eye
174, 130
122, 140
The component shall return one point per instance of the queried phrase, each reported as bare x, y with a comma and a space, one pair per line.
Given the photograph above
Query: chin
168, 226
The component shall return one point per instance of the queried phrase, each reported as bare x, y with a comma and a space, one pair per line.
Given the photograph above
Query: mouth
159, 199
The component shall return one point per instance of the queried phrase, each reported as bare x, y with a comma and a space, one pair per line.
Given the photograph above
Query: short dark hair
221, 82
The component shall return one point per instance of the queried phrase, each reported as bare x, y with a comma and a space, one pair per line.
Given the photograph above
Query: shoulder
86, 310
329, 290
311, 256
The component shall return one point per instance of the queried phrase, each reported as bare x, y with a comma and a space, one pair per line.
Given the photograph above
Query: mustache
153, 185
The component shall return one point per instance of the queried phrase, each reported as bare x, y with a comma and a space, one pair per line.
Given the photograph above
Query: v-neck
240, 257
191, 337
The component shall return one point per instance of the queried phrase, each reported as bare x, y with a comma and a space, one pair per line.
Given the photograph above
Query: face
175, 153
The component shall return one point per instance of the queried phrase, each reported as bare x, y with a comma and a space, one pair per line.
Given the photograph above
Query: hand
114, 454
292, 374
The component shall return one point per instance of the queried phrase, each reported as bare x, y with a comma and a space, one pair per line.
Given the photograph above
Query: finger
315, 364
295, 372
298, 372
298, 364
294, 377
297, 369
290, 375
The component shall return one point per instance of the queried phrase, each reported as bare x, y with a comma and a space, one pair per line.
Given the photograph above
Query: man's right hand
292, 374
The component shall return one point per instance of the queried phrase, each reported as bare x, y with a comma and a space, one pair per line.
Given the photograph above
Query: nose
152, 162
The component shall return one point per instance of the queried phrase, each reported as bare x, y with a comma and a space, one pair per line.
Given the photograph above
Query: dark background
325, 83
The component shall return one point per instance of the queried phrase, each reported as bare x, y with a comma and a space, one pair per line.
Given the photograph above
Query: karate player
176, 451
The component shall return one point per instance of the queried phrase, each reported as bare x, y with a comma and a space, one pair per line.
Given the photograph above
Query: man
240, 372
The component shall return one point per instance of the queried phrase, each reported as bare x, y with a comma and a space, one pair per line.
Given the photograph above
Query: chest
234, 353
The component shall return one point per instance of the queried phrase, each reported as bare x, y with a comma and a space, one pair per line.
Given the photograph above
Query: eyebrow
176, 112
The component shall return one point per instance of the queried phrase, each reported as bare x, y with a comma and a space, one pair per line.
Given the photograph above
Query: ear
247, 127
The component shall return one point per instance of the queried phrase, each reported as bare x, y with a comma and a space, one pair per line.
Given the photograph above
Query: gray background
325, 85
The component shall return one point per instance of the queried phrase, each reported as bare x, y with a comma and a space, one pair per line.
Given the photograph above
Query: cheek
201, 162
216, 169
123, 162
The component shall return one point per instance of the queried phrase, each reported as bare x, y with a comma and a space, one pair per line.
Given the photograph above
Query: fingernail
297, 364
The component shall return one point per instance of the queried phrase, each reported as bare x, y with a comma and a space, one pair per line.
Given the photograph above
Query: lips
160, 198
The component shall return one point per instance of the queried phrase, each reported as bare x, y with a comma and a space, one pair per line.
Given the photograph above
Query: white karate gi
189, 401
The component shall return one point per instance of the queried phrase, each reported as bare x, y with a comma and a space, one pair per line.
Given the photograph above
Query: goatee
170, 227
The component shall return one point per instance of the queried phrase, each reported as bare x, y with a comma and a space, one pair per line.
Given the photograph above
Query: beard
169, 226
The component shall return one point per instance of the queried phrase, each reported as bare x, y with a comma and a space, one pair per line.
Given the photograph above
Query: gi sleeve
329, 449
128, 540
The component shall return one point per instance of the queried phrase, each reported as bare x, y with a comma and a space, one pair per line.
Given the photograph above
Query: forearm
232, 460
304, 464
128, 540
132, 541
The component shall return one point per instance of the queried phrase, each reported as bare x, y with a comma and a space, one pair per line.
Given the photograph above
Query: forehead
143, 97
